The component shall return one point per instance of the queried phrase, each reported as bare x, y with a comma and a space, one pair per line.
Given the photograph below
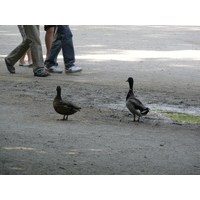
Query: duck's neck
131, 84
130, 93
59, 94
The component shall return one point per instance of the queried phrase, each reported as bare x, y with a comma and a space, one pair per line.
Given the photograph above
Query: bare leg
29, 56
48, 40
21, 60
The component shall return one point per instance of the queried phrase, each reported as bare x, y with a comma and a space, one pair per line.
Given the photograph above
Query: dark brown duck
64, 108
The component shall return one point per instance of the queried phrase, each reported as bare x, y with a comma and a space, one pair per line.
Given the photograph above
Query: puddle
182, 117
176, 113
176, 108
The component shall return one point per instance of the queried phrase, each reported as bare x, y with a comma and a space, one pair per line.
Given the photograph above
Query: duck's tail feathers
77, 108
145, 111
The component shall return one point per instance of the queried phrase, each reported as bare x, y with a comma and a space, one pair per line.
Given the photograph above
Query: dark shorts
48, 26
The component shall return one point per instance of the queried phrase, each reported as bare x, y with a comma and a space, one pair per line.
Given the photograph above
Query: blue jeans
62, 40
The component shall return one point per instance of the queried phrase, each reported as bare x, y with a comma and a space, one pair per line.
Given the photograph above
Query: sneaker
24, 64
54, 69
41, 73
73, 69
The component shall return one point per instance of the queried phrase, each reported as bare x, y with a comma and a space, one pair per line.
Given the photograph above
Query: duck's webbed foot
65, 117
133, 119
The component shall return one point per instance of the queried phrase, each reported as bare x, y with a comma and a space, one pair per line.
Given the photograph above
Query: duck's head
131, 81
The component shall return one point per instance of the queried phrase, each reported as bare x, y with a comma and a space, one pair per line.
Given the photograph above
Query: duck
64, 108
134, 105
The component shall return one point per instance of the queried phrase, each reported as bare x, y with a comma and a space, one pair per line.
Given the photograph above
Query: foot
10, 68
54, 69
73, 69
24, 64
45, 63
41, 73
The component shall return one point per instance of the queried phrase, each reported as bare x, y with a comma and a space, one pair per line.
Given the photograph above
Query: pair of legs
33, 42
62, 40
22, 59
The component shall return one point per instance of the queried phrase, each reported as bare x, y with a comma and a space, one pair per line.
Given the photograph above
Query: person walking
33, 42
62, 40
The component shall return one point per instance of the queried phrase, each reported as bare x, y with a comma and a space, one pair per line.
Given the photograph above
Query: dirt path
164, 62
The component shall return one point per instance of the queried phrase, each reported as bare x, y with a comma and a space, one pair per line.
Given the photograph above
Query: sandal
41, 73
10, 68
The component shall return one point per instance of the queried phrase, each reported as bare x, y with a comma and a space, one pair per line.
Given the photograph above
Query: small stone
62, 168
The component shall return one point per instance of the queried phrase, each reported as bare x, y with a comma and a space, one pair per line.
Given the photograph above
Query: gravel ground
100, 140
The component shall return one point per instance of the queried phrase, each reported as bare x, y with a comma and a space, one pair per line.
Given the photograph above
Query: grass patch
182, 117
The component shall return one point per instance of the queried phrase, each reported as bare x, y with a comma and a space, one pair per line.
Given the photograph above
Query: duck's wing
67, 104
136, 103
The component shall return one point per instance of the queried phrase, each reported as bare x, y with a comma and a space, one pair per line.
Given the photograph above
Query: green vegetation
182, 117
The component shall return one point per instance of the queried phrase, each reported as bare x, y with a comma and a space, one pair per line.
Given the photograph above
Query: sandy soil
164, 62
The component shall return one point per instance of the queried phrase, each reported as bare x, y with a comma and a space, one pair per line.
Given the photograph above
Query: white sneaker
73, 69
54, 69
24, 65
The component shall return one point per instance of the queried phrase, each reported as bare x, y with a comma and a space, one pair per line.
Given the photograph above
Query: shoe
25, 64
54, 69
10, 68
73, 69
41, 73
